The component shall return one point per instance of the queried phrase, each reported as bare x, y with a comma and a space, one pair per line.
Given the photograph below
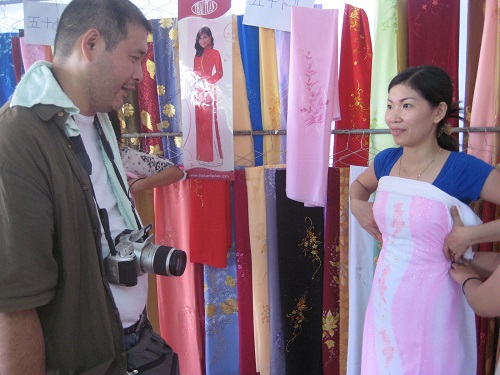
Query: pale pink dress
417, 320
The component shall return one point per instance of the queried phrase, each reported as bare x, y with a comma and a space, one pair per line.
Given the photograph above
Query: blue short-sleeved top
462, 175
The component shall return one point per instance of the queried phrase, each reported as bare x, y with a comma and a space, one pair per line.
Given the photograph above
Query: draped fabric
300, 248
130, 120
275, 312
361, 268
344, 269
283, 60
211, 216
354, 89
402, 49
260, 285
17, 58
32, 53
412, 280
313, 103
331, 274
147, 91
269, 91
7, 72
483, 106
166, 55
178, 306
244, 276
243, 145
248, 37
384, 68
221, 318
438, 21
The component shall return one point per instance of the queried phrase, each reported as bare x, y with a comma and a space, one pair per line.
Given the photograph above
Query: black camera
135, 255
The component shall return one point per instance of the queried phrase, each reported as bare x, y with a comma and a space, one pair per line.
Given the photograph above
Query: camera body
136, 255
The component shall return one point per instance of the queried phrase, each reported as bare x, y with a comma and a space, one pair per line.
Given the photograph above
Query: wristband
470, 278
132, 184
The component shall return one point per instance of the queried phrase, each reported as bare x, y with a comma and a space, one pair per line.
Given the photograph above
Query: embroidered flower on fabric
297, 317
310, 246
382, 282
317, 100
388, 349
398, 223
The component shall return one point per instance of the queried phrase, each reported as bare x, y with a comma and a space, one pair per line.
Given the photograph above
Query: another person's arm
483, 297
22, 346
166, 176
462, 237
360, 191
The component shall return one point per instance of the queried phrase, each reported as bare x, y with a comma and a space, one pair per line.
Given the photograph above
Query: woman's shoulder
385, 160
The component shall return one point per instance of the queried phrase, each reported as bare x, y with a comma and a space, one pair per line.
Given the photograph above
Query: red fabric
331, 293
208, 67
354, 88
244, 276
210, 222
433, 30
148, 103
17, 58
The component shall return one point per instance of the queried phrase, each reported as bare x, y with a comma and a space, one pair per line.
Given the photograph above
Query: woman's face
204, 40
410, 117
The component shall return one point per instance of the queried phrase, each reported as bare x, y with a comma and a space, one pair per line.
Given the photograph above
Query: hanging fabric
166, 53
17, 58
331, 275
148, 102
384, 68
283, 59
178, 308
249, 44
32, 53
313, 102
244, 276
300, 249
278, 365
269, 94
354, 89
7, 72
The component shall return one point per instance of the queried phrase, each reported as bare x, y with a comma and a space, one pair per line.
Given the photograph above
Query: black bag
152, 355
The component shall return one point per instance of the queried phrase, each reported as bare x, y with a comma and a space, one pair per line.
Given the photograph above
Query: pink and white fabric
417, 320
313, 102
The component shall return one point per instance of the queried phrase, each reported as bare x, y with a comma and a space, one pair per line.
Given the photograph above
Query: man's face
115, 73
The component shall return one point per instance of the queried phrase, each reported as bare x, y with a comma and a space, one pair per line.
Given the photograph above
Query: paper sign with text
40, 22
273, 14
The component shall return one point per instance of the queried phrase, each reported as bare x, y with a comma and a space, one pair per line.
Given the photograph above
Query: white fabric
361, 268
129, 300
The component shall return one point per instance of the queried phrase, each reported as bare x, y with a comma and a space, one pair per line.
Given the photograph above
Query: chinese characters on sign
40, 22
273, 14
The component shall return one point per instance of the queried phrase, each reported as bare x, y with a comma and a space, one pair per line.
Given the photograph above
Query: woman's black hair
204, 30
435, 85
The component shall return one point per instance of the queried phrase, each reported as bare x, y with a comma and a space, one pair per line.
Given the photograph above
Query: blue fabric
250, 57
168, 80
462, 176
7, 72
221, 315
278, 365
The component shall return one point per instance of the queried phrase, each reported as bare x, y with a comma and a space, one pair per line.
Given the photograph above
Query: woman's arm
166, 176
360, 191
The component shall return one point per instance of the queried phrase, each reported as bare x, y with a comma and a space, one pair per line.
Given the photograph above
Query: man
58, 314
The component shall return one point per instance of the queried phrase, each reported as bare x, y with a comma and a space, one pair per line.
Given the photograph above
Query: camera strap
109, 153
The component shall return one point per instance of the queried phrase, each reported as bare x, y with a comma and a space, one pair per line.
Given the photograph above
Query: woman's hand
462, 271
456, 242
363, 212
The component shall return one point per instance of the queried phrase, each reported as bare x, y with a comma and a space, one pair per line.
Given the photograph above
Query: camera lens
163, 260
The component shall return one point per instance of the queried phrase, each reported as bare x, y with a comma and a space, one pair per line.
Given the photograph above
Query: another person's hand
456, 242
461, 271
363, 212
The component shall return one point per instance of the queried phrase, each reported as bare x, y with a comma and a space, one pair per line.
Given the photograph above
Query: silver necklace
428, 165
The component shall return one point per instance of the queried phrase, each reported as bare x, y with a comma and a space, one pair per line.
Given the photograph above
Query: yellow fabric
243, 144
344, 266
269, 94
258, 245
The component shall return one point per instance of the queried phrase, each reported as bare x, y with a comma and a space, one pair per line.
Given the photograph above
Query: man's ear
90, 42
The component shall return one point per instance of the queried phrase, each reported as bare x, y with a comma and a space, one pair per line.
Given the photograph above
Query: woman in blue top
417, 320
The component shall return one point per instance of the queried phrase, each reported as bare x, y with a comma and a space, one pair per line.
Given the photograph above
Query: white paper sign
273, 14
40, 22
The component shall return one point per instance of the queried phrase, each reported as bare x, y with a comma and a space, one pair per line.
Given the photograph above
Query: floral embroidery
161, 90
128, 110
150, 67
382, 283
264, 315
330, 325
165, 124
169, 110
310, 244
391, 22
172, 34
398, 223
229, 306
165, 23
146, 120
296, 318
388, 350
317, 97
